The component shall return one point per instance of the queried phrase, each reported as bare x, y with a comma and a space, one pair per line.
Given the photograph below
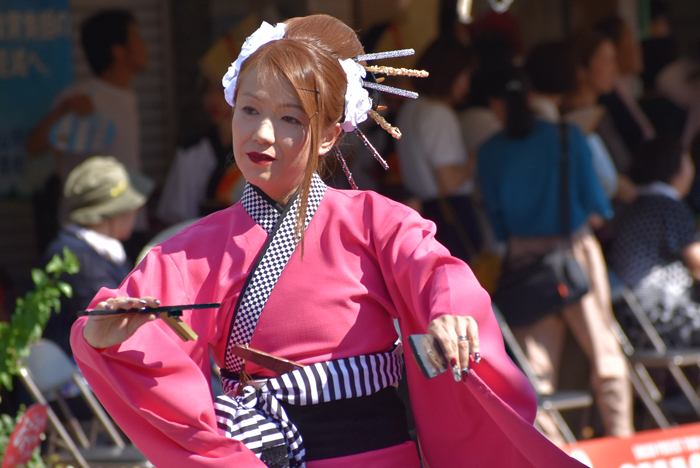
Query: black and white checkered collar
265, 211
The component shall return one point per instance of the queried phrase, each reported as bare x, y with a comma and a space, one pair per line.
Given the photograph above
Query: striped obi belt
257, 418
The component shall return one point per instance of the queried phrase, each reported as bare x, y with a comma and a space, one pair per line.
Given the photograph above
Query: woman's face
602, 69
270, 136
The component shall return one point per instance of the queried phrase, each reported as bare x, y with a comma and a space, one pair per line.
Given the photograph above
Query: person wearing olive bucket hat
103, 197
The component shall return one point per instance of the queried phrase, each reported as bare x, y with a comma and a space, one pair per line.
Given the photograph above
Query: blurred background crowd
615, 85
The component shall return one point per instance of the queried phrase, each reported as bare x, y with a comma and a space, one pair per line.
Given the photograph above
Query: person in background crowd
435, 166
667, 117
660, 25
101, 112
519, 178
103, 197
204, 178
551, 70
630, 121
679, 81
477, 121
596, 72
656, 250
693, 197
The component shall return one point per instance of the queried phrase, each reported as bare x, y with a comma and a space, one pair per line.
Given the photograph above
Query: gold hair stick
396, 71
391, 130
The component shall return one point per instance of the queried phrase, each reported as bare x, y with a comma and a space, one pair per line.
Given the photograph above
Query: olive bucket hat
101, 187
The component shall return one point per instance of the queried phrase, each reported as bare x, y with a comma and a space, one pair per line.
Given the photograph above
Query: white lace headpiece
264, 34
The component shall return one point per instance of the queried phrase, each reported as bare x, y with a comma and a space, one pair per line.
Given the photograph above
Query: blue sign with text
36, 63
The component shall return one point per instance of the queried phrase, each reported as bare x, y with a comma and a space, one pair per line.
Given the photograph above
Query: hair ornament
390, 89
357, 101
391, 71
381, 121
384, 55
264, 34
346, 170
369, 146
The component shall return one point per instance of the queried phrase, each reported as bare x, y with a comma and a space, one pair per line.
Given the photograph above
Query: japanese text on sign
34, 25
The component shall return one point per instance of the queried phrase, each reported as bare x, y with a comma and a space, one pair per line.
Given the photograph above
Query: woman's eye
291, 120
249, 110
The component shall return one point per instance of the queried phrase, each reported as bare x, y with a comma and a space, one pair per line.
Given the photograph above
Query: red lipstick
260, 158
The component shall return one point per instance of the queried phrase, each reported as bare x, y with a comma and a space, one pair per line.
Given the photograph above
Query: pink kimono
366, 261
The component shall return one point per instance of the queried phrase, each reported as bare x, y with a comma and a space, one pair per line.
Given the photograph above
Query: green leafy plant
7, 425
32, 312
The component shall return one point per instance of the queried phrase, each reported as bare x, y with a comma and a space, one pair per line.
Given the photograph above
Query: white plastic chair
44, 373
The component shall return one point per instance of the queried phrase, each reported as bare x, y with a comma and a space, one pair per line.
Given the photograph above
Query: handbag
556, 280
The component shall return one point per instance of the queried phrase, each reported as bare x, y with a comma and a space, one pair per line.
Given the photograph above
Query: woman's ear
330, 135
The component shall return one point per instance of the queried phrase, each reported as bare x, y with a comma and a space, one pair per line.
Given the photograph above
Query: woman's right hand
103, 331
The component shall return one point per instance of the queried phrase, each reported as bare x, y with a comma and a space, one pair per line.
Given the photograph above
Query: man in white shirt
98, 115
116, 53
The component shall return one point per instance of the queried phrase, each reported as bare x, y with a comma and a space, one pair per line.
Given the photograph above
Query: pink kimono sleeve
155, 386
487, 419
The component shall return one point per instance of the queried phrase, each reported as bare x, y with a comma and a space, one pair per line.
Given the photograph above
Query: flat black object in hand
146, 310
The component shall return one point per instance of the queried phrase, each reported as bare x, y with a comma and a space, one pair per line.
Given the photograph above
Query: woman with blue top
519, 172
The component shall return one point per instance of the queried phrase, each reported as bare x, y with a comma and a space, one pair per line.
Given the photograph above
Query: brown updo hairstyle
305, 62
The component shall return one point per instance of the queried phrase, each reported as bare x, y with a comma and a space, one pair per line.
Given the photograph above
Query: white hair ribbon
357, 101
264, 34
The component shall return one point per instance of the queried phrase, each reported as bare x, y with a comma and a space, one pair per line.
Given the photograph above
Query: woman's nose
265, 133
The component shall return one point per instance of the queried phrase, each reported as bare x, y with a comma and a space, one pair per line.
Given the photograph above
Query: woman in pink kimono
314, 275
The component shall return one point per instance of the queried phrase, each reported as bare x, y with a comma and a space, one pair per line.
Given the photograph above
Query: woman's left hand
459, 338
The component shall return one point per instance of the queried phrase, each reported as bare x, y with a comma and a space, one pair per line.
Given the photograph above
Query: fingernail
108, 306
143, 301
477, 358
465, 373
456, 374
453, 362
157, 302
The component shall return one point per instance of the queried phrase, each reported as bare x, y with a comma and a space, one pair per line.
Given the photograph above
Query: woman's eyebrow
262, 97
292, 105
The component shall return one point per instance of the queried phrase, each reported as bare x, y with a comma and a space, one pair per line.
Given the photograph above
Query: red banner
677, 447
26, 437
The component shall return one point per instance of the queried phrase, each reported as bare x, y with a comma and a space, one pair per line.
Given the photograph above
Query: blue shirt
520, 182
